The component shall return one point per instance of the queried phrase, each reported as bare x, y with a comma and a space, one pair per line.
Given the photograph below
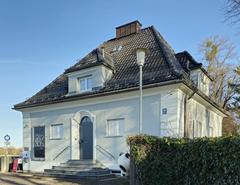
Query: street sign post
6, 143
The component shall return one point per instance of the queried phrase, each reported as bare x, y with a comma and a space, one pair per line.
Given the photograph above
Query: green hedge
165, 161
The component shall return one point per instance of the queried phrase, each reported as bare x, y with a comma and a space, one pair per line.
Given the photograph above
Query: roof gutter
77, 97
170, 82
205, 97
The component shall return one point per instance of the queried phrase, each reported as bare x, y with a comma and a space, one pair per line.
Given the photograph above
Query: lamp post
141, 53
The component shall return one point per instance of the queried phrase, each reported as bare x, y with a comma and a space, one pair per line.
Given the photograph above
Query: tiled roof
185, 57
94, 58
161, 65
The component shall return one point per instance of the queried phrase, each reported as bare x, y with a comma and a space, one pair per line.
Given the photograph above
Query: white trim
119, 129
85, 78
51, 129
33, 158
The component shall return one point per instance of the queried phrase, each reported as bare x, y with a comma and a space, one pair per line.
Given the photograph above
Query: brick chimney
128, 29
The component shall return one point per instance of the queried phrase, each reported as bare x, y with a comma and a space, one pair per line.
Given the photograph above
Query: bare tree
232, 11
235, 103
219, 55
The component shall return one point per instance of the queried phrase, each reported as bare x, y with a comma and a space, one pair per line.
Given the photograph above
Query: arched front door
86, 138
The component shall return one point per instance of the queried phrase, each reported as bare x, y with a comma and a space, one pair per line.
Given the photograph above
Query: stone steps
78, 169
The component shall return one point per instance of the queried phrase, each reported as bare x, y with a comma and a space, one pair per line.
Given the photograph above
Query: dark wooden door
86, 138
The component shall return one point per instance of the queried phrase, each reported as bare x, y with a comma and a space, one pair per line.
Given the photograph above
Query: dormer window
85, 84
89, 79
201, 80
195, 79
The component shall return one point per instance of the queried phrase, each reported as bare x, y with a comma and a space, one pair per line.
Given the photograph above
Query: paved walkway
27, 179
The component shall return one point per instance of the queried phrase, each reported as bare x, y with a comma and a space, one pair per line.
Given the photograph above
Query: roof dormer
201, 80
90, 73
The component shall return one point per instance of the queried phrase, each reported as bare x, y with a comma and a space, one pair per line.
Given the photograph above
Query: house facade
89, 110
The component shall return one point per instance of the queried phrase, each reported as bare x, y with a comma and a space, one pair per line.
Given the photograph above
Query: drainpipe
185, 117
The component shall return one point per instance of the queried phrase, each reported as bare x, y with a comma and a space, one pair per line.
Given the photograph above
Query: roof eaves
189, 84
91, 95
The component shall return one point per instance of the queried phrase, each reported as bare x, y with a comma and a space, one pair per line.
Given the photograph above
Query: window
209, 124
115, 127
56, 131
38, 134
197, 128
195, 79
210, 131
203, 79
85, 84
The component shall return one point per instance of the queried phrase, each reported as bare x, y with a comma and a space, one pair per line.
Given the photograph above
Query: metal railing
105, 152
60, 153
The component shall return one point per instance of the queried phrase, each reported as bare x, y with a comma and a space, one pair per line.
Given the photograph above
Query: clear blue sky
39, 39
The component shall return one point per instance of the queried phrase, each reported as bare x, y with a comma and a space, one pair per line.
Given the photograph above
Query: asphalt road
28, 179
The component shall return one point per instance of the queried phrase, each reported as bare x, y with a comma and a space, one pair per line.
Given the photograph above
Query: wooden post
134, 180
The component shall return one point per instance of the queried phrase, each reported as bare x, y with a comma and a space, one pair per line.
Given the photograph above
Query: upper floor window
197, 128
195, 79
85, 84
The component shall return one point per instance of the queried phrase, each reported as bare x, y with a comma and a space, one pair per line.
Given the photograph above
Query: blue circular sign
7, 137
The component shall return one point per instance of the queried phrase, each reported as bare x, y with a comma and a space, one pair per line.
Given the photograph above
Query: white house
89, 110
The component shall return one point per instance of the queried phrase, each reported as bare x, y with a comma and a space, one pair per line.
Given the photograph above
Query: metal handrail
104, 151
60, 153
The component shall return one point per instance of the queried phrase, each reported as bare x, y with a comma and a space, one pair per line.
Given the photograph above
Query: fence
5, 162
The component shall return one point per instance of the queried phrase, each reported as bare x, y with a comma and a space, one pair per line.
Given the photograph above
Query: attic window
203, 79
195, 79
85, 84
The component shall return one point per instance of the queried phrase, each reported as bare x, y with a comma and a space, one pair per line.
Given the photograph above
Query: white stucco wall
197, 112
125, 106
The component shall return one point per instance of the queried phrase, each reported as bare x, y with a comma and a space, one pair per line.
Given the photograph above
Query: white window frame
197, 128
120, 127
195, 79
61, 132
210, 131
32, 144
209, 124
85, 79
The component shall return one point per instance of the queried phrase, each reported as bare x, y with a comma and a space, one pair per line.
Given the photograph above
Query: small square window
85, 84
115, 127
164, 111
56, 131
197, 129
